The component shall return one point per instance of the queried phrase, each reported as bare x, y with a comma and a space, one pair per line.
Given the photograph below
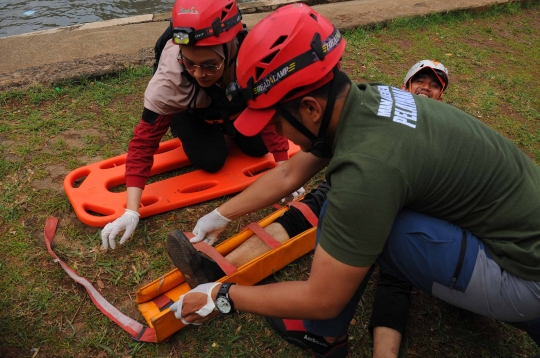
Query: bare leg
198, 269
386, 342
290, 224
255, 247
389, 314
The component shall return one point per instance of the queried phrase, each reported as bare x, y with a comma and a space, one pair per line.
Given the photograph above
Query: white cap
438, 68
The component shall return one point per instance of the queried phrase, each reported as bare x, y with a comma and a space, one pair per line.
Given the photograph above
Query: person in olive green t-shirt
426, 190
435, 159
390, 311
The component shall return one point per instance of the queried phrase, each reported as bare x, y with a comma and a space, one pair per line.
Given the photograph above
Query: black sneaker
293, 331
196, 268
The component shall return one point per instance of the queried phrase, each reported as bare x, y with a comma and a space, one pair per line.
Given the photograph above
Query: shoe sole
186, 258
295, 341
334, 352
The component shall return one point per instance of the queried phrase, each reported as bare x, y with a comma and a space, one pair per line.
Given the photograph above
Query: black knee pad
293, 221
391, 304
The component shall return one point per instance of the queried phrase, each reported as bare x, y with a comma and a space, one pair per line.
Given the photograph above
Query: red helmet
205, 22
293, 47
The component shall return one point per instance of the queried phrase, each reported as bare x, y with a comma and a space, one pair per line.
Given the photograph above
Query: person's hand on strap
209, 227
126, 223
199, 307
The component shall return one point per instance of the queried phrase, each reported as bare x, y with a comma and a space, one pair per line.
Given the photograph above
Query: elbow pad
149, 116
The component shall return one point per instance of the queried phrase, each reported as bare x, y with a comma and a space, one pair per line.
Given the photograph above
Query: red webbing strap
135, 329
211, 252
162, 302
263, 235
306, 211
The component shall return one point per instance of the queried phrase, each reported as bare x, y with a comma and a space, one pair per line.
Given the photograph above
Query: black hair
429, 71
322, 92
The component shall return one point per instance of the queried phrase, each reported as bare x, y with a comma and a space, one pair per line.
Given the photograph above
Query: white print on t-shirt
385, 107
404, 107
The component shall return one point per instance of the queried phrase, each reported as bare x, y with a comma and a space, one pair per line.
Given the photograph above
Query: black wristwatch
224, 304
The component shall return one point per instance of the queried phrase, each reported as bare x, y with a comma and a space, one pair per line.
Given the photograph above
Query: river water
22, 16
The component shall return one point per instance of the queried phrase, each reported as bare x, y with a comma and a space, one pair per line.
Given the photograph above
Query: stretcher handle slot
113, 162
148, 200
97, 211
195, 188
258, 169
78, 182
78, 177
168, 146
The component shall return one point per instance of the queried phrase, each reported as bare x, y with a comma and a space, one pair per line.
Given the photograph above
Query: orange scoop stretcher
155, 298
89, 188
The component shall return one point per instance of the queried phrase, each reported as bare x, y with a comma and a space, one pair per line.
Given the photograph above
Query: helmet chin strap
321, 147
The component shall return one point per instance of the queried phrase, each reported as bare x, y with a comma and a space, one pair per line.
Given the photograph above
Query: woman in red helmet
425, 190
187, 95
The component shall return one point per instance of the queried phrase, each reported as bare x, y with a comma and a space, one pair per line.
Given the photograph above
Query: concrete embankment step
105, 47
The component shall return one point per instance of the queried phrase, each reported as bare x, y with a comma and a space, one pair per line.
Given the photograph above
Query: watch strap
224, 289
224, 292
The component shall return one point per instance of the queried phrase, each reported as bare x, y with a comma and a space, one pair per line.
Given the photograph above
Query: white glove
204, 310
295, 194
209, 227
127, 223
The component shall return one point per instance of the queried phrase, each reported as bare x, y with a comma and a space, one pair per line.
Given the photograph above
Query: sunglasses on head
190, 66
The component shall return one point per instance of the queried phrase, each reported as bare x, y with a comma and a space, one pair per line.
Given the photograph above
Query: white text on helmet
183, 11
274, 78
332, 42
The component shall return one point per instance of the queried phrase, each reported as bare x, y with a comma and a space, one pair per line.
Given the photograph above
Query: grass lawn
48, 131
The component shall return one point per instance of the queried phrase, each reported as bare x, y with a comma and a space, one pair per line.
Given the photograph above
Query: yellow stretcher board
155, 298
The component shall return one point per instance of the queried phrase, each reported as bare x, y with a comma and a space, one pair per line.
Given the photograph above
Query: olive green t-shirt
395, 150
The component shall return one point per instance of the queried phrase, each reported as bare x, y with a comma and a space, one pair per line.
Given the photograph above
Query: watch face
223, 305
